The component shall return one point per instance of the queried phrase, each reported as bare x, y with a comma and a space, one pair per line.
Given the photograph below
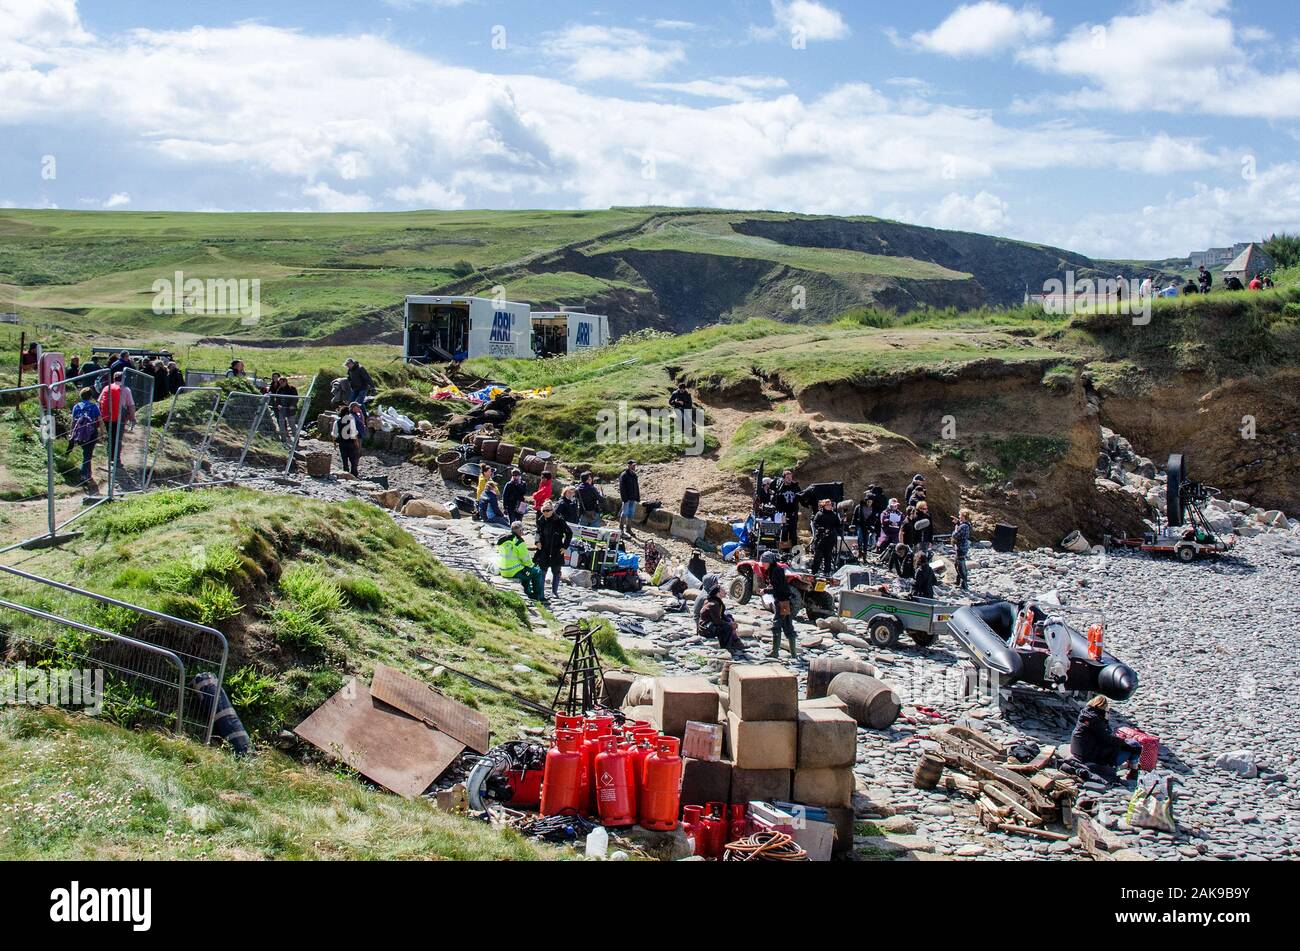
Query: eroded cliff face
1242, 435
990, 436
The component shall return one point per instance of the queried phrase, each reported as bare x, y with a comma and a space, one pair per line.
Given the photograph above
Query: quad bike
812, 595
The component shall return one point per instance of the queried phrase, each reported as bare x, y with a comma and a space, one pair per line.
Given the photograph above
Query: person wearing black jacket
514, 496
567, 507
589, 502
783, 611
1096, 746
715, 622
900, 561
915, 491
924, 578
866, 518
827, 530
629, 494
681, 401
284, 404
785, 499
553, 539
923, 526
360, 381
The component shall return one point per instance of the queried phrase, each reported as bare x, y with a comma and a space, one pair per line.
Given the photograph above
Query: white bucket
1076, 543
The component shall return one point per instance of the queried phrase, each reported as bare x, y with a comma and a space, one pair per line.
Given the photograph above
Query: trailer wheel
884, 631
1186, 554
924, 641
741, 588
819, 605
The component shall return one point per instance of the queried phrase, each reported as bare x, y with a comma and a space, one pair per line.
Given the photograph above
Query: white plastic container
597, 843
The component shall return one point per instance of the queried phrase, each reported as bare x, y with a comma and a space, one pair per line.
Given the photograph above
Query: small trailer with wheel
890, 616
1186, 532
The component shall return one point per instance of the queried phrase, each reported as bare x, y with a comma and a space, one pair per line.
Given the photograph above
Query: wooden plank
421, 701
380, 742
1001, 795
1041, 833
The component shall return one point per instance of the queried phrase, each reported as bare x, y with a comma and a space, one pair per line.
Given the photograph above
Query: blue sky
1146, 128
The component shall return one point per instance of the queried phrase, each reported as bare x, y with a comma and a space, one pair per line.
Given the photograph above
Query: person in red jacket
116, 409
545, 490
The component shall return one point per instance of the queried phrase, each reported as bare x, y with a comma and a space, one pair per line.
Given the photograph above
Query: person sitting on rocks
923, 577
715, 622
1094, 744
489, 507
517, 563
900, 561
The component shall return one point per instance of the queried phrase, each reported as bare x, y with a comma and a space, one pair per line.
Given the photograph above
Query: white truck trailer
442, 329
556, 333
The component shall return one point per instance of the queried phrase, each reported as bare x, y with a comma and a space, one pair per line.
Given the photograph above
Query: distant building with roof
1215, 257
1253, 262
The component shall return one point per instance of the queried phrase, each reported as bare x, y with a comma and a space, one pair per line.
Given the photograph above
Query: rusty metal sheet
381, 743
424, 703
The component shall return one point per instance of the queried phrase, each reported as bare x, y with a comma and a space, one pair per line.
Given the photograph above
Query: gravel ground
1211, 642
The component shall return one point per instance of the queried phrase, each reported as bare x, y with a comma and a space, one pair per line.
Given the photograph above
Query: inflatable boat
1035, 646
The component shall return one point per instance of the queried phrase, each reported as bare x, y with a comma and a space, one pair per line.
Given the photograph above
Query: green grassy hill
341, 278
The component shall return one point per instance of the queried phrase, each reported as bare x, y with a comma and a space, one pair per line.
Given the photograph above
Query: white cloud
34, 31
597, 53
984, 212
327, 199
1208, 216
1182, 56
982, 29
675, 25
809, 19
428, 194
734, 88
337, 120
117, 200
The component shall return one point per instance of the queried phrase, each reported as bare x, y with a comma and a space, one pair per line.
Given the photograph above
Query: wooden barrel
823, 670
690, 503
870, 701
506, 453
488, 449
533, 465
928, 772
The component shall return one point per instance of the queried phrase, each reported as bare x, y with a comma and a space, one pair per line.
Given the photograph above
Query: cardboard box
823, 703
845, 820
764, 784
767, 692
704, 782
678, 700
762, 744
823, 787
827, 738
703, 741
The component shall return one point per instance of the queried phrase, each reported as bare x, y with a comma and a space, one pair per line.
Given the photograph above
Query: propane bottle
562, 777
633, 771
693, 825
738, 825
594, 728
572, 724
661, 791
613, 801
714, 822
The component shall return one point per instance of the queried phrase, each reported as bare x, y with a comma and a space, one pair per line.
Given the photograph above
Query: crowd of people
1202, 283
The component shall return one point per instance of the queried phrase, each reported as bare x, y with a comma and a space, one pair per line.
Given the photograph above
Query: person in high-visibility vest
517, 563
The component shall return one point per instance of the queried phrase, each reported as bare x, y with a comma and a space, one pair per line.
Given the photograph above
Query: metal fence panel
139, 647
181, 450
130, 433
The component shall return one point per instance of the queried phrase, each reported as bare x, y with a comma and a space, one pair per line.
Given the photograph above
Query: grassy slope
307, 592
712, 234
318, 271
76, 788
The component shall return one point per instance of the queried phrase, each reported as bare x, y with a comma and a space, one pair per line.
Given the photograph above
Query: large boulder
423, 508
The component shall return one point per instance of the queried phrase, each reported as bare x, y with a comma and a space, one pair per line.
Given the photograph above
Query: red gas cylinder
738, 824
693, 826
562, 779
633, 762
661, 792
572, 724
593, 730
645, 745
613, 799
714, 822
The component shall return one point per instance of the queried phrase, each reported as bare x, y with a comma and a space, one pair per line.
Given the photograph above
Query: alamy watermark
240, 297
1130, 298
80, 689
662, 426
